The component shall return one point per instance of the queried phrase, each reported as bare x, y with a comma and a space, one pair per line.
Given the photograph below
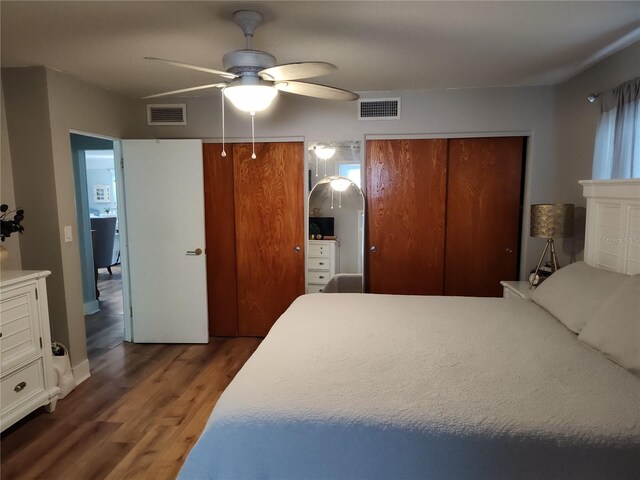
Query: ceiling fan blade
294, 71
317, 91
184, 90
194, 67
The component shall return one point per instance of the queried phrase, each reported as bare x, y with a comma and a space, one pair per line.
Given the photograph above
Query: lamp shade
250, 94
552, 220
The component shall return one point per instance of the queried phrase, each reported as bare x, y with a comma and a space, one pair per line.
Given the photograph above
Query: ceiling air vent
378, 108
167, 114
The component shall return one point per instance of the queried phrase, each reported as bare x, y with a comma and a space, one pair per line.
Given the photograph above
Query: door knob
373, 249
508, 250
297, 249
197, 251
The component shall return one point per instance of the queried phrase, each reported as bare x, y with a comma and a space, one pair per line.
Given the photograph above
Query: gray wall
12, 244
43, 107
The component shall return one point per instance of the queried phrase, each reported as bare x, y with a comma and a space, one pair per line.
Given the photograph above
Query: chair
103, 234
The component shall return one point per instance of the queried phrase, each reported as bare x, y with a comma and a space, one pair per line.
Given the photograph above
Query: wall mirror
336, 236
327, 159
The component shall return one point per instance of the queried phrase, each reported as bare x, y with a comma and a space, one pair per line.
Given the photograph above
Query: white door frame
122, 227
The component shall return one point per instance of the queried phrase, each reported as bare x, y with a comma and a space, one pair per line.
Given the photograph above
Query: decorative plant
9, 226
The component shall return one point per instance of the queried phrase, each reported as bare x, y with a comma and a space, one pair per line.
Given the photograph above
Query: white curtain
617, 148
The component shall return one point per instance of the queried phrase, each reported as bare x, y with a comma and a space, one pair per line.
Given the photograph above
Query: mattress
380, 387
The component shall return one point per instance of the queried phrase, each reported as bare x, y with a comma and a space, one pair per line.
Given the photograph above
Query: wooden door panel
406, 194
221, 241
483, 214
269, 217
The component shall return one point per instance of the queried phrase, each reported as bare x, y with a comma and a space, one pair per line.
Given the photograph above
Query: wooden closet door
406, 193
483, 214
221, 241
269, 218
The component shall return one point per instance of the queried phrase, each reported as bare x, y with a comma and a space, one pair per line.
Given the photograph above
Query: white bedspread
382, 387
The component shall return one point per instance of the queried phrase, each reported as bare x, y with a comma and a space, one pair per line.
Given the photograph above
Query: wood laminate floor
105, 329
136, 417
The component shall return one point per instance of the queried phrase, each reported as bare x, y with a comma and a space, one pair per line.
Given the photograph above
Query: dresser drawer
315, 288
320, 278
319, 250
316, 263
20, 334
22, 384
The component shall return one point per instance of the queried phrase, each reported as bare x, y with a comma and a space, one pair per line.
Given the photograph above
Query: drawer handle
321, 276
320, 263
19, 387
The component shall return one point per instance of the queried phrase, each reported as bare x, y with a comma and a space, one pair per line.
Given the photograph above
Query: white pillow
575, 292
615, 328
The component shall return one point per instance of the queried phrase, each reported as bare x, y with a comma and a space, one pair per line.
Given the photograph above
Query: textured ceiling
376, 45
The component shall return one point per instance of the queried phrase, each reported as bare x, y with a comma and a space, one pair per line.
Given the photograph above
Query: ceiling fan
252, 77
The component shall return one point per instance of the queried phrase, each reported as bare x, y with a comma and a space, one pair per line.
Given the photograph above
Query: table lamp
550, 221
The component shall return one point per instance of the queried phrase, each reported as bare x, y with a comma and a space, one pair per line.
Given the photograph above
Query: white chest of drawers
26, 369
322, 264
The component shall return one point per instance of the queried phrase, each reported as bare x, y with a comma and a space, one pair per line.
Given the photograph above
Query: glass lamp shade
324, 153
251, 98
340, 184
552, 220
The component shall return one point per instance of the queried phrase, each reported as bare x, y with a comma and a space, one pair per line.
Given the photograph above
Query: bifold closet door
269, 230
406, 197
221, 241
483, 214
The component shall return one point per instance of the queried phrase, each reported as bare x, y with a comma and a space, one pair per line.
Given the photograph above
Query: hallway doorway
97, 203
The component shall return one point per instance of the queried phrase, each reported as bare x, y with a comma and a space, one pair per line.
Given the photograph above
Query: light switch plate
68, 237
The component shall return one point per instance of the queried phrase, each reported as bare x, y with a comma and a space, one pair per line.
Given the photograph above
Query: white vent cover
167, 114
378, 108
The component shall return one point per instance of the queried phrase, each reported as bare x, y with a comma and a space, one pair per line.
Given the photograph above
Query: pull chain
223, 154
317, 166
340, 199
332, 199
253, 136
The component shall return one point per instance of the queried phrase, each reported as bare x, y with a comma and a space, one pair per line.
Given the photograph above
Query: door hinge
40, 343
36, 293
122, 162
131, 311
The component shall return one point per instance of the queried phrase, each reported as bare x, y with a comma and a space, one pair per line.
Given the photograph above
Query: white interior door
164, 197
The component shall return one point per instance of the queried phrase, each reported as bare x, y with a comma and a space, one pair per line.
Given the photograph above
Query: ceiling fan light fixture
340, 184
251, 98
324, 153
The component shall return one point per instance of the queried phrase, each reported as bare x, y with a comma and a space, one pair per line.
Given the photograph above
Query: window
351, 171
617, 147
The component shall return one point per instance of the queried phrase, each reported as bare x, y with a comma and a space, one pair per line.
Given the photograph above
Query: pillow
575, 292
615, 328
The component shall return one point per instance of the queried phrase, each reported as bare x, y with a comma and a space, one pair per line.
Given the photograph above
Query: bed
379, 387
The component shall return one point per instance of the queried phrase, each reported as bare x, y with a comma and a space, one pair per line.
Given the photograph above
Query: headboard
612, 234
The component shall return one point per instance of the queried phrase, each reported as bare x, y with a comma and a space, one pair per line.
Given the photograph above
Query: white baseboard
81, 372
91, 307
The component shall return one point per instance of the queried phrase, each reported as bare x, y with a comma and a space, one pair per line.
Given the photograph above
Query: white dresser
322, 263
26, 375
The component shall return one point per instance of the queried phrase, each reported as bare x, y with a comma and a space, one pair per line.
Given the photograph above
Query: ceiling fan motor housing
241, 61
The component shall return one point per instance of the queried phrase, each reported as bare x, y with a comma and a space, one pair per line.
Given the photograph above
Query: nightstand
516, 289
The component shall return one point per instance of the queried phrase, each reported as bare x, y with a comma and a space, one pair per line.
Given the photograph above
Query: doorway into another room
99, 242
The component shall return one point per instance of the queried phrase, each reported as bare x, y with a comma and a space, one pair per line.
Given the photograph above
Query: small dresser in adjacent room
322, 264
26, 375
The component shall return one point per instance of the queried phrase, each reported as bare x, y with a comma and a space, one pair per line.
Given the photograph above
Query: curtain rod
594, 96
